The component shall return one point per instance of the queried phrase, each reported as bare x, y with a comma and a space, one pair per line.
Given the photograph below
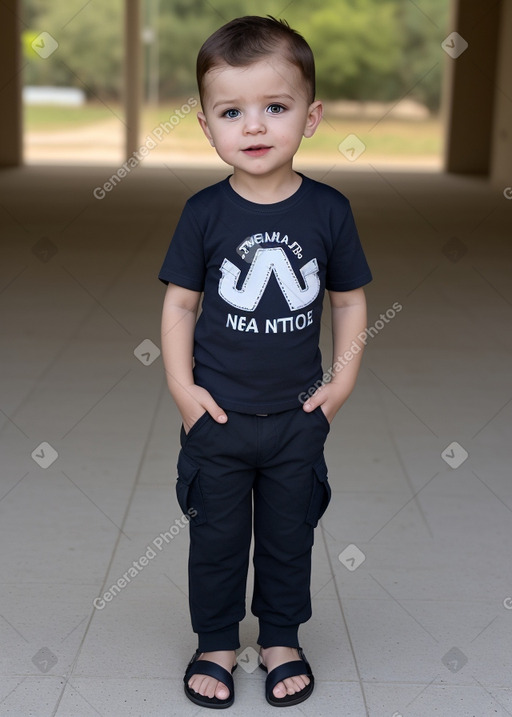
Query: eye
231, 114
275, 109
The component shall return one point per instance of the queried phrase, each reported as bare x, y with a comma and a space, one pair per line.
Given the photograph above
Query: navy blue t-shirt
263, 269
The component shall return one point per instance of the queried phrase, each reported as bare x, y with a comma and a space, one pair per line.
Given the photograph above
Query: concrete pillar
470, 86
11, 119
501, 168
132, 74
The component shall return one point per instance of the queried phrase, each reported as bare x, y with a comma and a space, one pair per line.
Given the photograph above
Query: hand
330, 397
193, 402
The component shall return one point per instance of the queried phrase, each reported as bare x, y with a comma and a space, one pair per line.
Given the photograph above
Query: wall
501, 165
11, 119
471, 86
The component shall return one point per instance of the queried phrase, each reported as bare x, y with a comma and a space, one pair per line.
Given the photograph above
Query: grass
54, 119
387, 137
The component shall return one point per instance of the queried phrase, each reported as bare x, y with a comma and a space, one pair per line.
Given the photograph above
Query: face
256, 116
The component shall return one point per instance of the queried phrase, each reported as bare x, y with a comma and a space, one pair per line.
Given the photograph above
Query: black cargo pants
276, 462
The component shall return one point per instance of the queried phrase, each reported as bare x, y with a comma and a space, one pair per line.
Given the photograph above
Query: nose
254, 123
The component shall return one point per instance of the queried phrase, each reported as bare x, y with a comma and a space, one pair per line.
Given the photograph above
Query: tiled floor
423, 626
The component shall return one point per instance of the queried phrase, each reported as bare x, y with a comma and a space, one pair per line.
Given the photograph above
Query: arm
348, 321
178, 324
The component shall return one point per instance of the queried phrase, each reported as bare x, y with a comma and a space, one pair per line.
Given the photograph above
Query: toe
194, 683
290, 686
203, 685
301, 682
280, 690
208, 687
222, 692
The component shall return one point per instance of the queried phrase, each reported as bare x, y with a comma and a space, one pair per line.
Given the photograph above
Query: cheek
225, 140
293, 130
291, 137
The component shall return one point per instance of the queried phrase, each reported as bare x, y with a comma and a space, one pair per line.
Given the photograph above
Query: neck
265, 189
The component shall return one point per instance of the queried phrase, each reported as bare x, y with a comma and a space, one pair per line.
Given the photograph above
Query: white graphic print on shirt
267, 260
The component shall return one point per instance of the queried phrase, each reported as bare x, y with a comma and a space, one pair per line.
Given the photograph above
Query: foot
272, 657
208, 686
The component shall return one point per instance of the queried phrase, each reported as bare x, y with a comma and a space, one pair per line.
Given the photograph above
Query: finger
215, 411
314, 401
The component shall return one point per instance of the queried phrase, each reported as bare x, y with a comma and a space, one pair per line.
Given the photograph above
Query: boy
261, 246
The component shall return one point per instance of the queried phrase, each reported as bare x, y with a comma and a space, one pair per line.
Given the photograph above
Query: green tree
183, 27
423, 26
30, 10
90, 51
356, 45
364, 49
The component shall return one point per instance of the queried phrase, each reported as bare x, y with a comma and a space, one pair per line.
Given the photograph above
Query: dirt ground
103, 144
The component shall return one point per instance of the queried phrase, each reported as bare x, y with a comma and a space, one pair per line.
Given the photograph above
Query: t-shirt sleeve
347, 267
184, 263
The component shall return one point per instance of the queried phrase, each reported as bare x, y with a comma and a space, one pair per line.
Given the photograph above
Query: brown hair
247, 39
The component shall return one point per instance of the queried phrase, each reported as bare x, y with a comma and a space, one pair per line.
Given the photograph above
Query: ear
204, 126
315, 113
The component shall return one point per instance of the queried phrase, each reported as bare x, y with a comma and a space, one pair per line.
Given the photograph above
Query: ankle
219, 656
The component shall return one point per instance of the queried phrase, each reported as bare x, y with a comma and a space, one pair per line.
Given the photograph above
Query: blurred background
379, 68
420, 461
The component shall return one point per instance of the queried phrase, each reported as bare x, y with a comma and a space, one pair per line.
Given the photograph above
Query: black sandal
282, 672
211, 669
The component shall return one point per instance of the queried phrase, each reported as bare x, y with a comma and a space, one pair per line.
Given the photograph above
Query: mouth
257, 150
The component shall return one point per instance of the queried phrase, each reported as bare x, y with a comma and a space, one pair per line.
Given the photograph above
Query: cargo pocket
321, 494
188, 490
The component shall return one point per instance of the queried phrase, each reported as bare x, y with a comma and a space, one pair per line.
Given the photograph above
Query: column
11, 122
470, 86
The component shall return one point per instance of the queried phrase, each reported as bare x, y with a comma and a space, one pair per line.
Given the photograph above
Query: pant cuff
273, 635
225, 639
